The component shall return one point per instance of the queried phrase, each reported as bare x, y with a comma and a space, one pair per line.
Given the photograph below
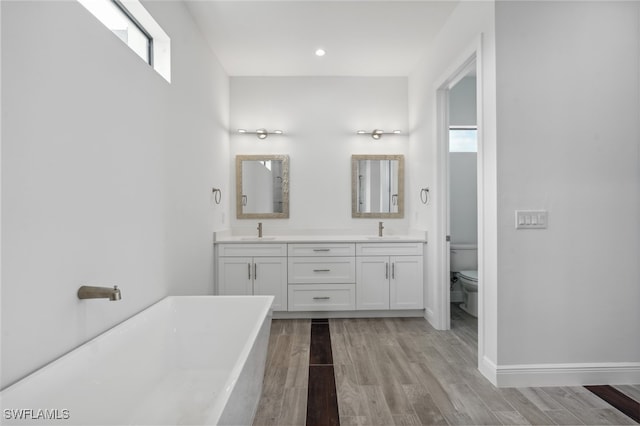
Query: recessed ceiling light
320, 52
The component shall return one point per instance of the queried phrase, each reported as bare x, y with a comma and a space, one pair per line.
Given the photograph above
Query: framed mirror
262, 186
377, 186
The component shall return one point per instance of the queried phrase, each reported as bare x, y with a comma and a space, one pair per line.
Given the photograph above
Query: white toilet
464, 263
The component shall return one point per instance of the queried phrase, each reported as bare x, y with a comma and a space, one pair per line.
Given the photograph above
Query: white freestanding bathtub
185, 360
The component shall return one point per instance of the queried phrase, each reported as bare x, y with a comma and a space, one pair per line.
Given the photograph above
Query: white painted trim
488, 369
442, 314
429, 315
483, 302
578, 374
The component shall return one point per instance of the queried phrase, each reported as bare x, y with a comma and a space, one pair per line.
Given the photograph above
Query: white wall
103, 162
320, 116
462, 103
197, 152
569, 142
463, 200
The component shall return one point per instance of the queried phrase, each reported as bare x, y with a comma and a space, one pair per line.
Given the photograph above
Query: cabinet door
372, 282
406, 286
270, 278
234, 276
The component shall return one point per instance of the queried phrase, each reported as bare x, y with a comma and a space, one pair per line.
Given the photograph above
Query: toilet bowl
469, 282
464, 257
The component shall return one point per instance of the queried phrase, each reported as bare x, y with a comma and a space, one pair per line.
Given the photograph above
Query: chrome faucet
89, 292
380, 228
259, 229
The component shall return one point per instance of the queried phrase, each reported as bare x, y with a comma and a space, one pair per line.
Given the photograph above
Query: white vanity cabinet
322, 277
389, 276
357, 277
254, 269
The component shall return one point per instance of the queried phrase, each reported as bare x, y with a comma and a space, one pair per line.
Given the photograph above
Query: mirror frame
285, 186
354, 186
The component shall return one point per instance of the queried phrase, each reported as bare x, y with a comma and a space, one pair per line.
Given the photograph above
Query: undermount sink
257, 238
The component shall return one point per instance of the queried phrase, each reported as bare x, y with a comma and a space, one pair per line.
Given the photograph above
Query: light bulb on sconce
260, 133
377, 133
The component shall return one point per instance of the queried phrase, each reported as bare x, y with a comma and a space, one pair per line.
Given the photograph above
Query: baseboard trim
488, 370
579, 374
408, 313
429, 315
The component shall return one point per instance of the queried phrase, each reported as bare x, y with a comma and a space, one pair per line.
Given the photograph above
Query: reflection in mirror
262, 186
377, 186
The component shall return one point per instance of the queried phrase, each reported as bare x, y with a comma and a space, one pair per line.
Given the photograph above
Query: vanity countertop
320, 239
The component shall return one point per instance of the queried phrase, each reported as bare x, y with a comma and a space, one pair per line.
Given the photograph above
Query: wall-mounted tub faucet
89, 292
380, 228
259, 229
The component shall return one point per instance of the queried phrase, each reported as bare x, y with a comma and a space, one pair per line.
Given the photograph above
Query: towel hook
424, 195
217, 195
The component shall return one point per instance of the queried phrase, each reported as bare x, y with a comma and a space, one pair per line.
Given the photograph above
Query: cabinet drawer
310, 270
389, 249
321, 297
322, 249
254, 250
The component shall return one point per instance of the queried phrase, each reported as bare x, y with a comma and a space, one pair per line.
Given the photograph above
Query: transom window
463, 139
132, 24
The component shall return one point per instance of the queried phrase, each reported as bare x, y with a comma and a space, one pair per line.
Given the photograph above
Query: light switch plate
531, 219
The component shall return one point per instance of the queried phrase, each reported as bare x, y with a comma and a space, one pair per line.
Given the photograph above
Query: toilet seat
469, 275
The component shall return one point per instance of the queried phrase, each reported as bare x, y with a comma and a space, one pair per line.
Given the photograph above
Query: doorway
463, 195
466, 71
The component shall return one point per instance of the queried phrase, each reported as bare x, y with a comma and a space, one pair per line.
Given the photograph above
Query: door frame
469, 60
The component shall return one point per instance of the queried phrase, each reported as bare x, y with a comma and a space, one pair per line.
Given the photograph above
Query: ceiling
279, 38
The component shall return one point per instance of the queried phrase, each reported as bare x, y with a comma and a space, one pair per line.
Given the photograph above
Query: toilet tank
464, 257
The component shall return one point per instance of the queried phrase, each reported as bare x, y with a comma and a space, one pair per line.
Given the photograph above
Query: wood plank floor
617, 398
400, 371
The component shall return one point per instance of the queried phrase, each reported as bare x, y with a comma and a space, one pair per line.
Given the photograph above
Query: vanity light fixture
260, 133
377, 133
